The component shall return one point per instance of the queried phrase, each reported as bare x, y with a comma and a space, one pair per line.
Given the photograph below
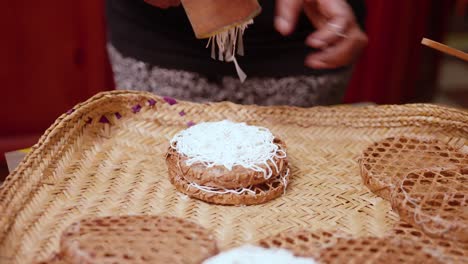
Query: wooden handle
445, 49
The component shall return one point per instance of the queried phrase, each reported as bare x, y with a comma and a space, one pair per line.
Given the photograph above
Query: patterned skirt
304, 91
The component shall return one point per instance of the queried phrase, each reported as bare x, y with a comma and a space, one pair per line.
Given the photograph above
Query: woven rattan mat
106, 157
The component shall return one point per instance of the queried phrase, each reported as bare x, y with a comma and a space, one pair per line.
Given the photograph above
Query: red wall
396, 68
53, 56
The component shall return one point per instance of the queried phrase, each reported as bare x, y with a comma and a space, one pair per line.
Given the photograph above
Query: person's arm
338, 36
163, 3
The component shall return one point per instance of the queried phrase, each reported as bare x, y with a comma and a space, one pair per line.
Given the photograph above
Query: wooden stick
445, 49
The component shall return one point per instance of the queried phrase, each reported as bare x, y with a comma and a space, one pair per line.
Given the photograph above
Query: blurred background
54, 56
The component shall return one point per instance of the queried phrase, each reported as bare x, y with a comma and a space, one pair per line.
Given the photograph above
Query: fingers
339, 55
329, 58
333, 31
335, 8
335, 19
287, 14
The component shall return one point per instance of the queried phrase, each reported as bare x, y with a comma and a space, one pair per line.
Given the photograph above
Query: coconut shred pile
251, 254
228, 144
228, 43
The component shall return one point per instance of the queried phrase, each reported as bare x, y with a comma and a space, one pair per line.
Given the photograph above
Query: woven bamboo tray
106, 157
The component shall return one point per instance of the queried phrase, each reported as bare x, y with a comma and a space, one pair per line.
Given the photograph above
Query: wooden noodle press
223, 22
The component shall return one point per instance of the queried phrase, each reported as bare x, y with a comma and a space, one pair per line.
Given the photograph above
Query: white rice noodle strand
229, 144
229, 43
238, 191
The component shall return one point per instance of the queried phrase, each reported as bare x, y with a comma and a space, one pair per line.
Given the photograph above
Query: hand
338, 36
163, 3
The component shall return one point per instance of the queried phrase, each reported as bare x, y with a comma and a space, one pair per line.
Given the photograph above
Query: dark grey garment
301, 90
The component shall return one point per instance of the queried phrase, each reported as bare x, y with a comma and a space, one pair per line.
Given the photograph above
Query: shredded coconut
252, 254
228, 43
229, 144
